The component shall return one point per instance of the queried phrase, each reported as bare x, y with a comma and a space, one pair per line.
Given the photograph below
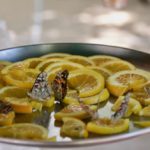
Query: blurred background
112, 22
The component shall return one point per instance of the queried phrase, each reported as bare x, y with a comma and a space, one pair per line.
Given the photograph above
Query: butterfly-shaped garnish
40, 90
5, 107
123, 108
59, 85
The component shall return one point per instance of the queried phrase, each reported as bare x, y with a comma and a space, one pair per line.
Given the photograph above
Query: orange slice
87, 82
24, 131
33, 62
71, 98
63, 65
118, 65
74, 110
106, 126
85, 61
101, 59
123, 81
106, 73
55, 55
19, 75
133, 106
76, 128
143, 94
44, 64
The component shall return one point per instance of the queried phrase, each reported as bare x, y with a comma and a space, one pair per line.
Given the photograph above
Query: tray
45, 118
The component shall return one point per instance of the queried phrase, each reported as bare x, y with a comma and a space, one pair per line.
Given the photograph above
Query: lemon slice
106, 73
85, 61
71, 98
44, 64
33, 62
19, 75
145, 111
118, 65
76, 128
123, 81
7, 119
17, 98
143, 94
101, 59
87, 82
74, 110
20, 102
24, 131
65, 65
55, 55
106, 126
133, 106
15, 66
3, 64
142, 123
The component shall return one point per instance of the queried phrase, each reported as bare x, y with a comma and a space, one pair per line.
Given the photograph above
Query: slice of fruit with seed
123, 81
87, 82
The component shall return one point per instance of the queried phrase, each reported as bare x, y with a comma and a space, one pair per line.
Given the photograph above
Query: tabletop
86, 21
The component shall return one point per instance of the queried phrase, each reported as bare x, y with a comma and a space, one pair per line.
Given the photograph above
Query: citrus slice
24, 131
63, 65
41, 66
20, 102
106, 73
142, 123
19, 75
15, 66
87, 82
55, 55
71, 98
3, 64
123, 81
85, 61
76, 128
106, 126
17, 98
145, 111
101, 59
7, 114
75, 110
20, 105
133, 106
118, 65
143, 94
33, 62
7, 118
